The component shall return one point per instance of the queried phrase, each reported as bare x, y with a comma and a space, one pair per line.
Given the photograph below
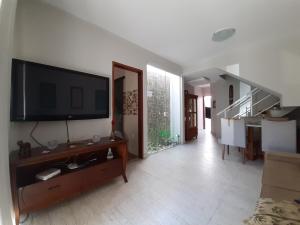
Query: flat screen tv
45, 93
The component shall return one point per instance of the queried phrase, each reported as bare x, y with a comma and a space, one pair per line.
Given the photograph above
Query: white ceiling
211, 74
199, 82
180, 30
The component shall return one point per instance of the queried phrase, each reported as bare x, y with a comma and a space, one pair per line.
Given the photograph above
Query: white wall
206, 91
189, 88
47, 35
272, 63
220, 93
202, 91
198, 91
7, 18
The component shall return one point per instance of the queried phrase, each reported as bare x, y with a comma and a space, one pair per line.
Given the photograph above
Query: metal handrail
238, 102
240, 114
270, 107
261, 111
245, 99
261, 100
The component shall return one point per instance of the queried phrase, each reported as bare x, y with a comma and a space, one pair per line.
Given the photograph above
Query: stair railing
241, 101
253, 105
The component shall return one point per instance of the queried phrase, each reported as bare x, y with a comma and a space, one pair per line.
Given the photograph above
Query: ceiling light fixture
223, 34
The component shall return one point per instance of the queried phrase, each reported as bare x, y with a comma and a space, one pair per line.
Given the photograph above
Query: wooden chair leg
223, 152
227, 149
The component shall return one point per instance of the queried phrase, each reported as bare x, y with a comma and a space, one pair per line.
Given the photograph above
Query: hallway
186, 185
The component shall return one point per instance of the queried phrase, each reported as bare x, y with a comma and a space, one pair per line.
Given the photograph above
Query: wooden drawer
97, 175
46, 193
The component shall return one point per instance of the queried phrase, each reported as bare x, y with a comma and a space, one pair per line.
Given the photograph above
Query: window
164, 114
231, 94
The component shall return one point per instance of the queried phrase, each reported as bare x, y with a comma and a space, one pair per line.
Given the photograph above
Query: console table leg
14, 192
124, 177
17, 217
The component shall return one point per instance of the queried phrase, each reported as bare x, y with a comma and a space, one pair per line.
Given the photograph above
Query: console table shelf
30, 195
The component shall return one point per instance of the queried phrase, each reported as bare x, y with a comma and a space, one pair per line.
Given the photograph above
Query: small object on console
25, 149
47, 174
73, 166
109, 154
93, 159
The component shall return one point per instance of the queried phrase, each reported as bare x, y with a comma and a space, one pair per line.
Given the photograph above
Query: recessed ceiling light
223, 34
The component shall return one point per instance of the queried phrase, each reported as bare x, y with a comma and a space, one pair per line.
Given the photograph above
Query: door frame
140, 103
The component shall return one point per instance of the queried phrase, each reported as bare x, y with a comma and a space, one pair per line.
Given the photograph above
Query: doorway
127, 106
207, 113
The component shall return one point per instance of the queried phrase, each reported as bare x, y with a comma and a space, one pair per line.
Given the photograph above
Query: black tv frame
13, 112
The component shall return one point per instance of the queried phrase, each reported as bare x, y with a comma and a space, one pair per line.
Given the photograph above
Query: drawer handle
53, 187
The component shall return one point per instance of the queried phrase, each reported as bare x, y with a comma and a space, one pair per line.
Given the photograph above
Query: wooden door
191, 118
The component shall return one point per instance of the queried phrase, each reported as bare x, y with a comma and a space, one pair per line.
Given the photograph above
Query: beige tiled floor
186, 185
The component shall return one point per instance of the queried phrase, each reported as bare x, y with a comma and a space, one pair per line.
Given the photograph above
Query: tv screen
43, 93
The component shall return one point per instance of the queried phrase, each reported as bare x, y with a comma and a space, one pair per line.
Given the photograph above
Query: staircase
253, 104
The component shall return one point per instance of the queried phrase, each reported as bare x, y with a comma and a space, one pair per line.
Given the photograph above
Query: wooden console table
30, 194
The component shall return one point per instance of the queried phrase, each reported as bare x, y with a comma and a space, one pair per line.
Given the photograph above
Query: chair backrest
233, 132
279, 136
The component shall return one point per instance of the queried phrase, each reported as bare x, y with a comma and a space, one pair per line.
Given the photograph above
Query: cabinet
30, 194
191, 117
